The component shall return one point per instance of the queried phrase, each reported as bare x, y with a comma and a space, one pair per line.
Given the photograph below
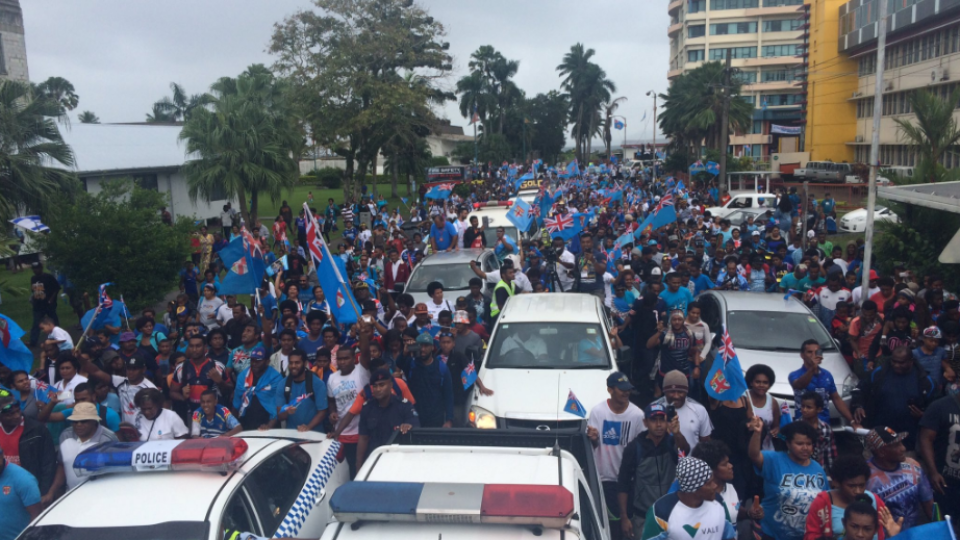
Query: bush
463, 190
438, 161
328, 177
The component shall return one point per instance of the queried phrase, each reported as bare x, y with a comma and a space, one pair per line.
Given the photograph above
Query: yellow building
831, 112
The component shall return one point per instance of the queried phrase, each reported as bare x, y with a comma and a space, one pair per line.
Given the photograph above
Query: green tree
609, 109
932, 134
587, 89
178, 106
408, 161
350, 62
248, 142
34, 160
60, 90
87, 117
693, 108
548, 115
117, 236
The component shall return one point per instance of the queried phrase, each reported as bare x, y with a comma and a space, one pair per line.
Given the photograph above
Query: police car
273, 484
466, 484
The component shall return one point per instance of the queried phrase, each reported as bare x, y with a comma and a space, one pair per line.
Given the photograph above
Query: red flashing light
509, 503
208, 452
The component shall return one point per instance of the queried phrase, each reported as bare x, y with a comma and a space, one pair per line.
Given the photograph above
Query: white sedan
856, 221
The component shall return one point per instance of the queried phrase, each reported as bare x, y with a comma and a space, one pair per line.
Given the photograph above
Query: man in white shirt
84, 432
436, 304
461, 225
857, 292
225, 311
524, 338
520, 279
343, 387
695, 423
127, 387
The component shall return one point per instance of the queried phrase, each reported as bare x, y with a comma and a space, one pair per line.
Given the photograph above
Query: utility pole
725, 123
874, 151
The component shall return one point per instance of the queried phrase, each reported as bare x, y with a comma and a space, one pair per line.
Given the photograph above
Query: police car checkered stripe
309, 495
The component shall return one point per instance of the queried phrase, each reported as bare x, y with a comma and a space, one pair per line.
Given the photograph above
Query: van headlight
482, 419
849, 384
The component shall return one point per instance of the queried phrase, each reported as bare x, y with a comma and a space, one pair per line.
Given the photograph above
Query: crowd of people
668, 455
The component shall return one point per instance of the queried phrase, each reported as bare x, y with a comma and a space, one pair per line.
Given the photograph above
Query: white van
745, 199
544, 346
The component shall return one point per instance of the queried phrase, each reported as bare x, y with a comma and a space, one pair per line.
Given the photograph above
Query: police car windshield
172, 530
549, 346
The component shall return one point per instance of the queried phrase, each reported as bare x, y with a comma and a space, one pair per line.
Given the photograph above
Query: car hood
783, 363
540, 394
860, 213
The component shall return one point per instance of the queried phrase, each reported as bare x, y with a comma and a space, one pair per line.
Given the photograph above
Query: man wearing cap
691, 512
694, 421
84, 432
27, 443
930, 355
382, 415
612, 425
898, 479
127, 385
19, 499
857, 292
431, 384
423, 321
466, 341
128, 347
259, 393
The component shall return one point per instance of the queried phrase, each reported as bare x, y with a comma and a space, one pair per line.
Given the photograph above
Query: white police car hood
541, 394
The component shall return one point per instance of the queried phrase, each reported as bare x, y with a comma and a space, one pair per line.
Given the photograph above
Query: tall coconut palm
489, 87
587, 88
34, 160
178, 106
933, 133
610, 108
247, 143
87, 117
61, 91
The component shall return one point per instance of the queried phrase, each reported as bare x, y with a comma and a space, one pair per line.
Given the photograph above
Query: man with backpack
383, 413
304, 396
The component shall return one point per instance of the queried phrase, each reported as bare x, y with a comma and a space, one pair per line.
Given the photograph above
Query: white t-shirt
70, 448
519, 278
829, 299
694, 421
732, 501
462, 227
224, 314
59, 334
616, 431
166, 426
857, 291
65, 389
709, 520
435, 309
343, 389
126, 392
566, 278
208, 312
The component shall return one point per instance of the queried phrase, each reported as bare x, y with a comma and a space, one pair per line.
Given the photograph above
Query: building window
697, 6
746, 77
146, 181
779, 50
733, 4
695, 55
733, 28
782, 25
696, 31
779, 100
757, 127
781, 3
735, 52
780, 75
749, 99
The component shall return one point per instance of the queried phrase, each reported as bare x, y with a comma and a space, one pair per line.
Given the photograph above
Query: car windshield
549, 346
172, 530
775, 330
490, 233
453, 276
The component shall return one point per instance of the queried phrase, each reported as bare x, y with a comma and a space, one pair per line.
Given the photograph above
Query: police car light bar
214, 455
546, 506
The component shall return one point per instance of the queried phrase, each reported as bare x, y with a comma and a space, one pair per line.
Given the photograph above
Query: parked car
745, 199
856, 221
766, 329
452, 269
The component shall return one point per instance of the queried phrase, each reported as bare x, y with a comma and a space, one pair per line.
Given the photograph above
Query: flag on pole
563, 226
339, 295
469, 375
617, 124
104, 299
243, 258
573, 406
440, 191
476, 115
697, 167
13, 352
663, 214
625, 240
521, 215
938, 530
713, 168
725, 381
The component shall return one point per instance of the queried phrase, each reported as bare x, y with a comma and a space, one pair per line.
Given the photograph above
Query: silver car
452, 269
766, 329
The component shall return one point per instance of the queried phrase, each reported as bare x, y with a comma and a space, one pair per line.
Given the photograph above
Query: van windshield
549, 346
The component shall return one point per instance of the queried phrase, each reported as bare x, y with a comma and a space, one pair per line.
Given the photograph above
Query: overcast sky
121, 55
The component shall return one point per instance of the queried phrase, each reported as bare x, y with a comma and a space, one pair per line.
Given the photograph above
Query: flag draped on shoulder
330, 272
725, 381
13, 352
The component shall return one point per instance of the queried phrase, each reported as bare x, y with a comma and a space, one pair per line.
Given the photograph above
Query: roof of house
103, 148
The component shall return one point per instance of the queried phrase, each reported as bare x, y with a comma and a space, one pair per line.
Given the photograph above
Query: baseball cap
361, 285
656, 272
382, 374
811, 234
135, 362
424, 339
6, 400
421, 309
755, 233
619, 381
84, 411
108, 355
881, 436
874, 274
932, 332
257, 353
127, 336
183, 310
461, 317
654, 409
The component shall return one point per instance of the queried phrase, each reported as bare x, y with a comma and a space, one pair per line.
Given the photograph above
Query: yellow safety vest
511, 290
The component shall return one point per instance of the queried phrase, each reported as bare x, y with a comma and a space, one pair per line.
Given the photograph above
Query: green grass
268, 209
18, 307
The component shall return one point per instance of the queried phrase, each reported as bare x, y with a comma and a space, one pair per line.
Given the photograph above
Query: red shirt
481, 331
10, 442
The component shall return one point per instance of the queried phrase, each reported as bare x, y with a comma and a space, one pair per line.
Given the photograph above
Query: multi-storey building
13, 46
766, 43
922, 52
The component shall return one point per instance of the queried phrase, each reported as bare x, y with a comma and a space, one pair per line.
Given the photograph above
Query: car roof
184, 495
496, 214
750, 301
453, 257
552, 307
532, 466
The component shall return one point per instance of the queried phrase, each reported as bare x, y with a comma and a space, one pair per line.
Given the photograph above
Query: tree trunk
348, 179
254, 204
362, 165
242, 195
393, 177
375, 159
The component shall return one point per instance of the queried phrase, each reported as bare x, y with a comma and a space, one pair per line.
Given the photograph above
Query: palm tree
160, 115
608, 120
587, 88
178, 107
933, 134
489, 87
247, 143
87, 117
61, 91
34, 160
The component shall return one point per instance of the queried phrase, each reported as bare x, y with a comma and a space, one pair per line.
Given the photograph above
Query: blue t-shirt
702, 283
790, 281
190, 281
305, 405
310, 347
18, 490
677, 300
821, 383
931, 362
789, 490
444, 237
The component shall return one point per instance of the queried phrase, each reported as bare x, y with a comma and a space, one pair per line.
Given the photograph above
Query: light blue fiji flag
469, 375
938, 530
14, 353
573, 406
521, 215
573, 169
330, 272
625, 240
713, 168
663, 214
440, 191
725, 380
697, 167
245, 265
405, 201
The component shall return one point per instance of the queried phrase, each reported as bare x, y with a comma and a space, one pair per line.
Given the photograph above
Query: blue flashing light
362, 499
111, 455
